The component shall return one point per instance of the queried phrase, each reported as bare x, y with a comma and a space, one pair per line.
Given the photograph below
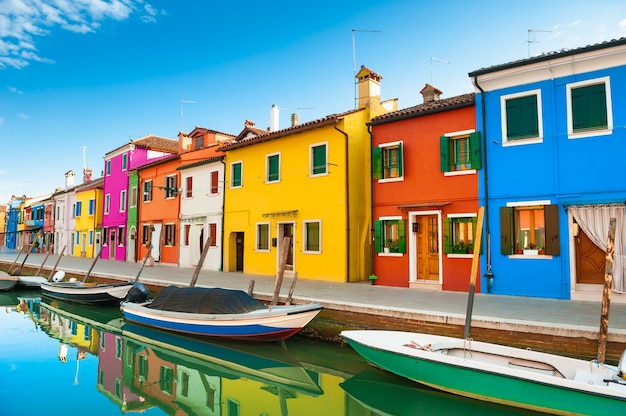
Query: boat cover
204, 300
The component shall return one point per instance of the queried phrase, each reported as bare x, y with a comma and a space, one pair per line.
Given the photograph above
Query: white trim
459, 133
267, 167
311, 146
609, 110
412, 244
256, 237
383, 146
230, 182
396, 217
304, 236
124, 200
462, 215
528, 203
530, 140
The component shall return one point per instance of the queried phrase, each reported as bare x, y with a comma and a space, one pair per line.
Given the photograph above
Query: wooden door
427, 246
590, 261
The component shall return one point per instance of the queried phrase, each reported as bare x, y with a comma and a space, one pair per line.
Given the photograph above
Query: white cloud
23, 21
14, 90
23, 116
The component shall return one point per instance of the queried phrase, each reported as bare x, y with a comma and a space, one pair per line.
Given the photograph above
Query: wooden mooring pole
284, 253
474, 272
606, 292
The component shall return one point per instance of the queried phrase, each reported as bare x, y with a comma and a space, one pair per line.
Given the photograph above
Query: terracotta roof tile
429, 107
158, 144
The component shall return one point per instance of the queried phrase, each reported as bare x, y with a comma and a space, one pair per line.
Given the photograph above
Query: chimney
430, 93
295, 119
249, 123
69, 179
369, 87
274, 118
87, 172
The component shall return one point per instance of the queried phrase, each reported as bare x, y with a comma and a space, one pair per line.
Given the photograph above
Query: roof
201, 162
156, 162
550, 55
429, 107
151, 142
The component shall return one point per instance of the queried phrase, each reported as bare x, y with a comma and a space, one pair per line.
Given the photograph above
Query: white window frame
132, 202
232, 166
267, 167
304, 236
609, 109
144, 194
257, 237
123, 200
107, 203
530, 140
453, 135
325, 173
382, 147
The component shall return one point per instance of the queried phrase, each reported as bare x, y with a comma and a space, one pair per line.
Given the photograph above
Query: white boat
31, 282
87, 293
500, 374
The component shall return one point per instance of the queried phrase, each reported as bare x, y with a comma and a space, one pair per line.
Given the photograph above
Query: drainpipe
372, 229
223, 207
347, 197
488, 274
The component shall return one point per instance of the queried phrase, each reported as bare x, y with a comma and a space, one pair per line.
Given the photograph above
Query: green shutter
447, 235
589, 107
378, 236
236, 174
506, 230
272, 169
444, 152
475, 154
377, 163
319, 159
400, 161
401, 236
551, 215
522, 119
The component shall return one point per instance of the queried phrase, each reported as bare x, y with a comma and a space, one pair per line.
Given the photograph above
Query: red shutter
214, 182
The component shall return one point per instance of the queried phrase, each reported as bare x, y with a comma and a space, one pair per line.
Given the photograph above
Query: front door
112, 243
427, 247
239, 252
590, 261
286, 230
156, 242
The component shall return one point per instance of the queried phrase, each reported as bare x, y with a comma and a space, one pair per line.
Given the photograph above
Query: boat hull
273, 324
514, 385
31, 282
7, 283
99, 294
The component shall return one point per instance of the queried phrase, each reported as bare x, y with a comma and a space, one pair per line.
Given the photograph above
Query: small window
214, 182
120, 236
529, 230
170, 234
390, 236
198, 142
92, 207
273, 168
108, 167
187, 230
123, 200
213, 234
387, 161
166, 380
458, 234
79, 208
312, 236
145, 234
170, 186
521, 119
460, 152
133, 197
263, 237
124, 161
147, 191
319, 159
589, 108
107, 203
105, 241
236, 171
91, 237
189, 187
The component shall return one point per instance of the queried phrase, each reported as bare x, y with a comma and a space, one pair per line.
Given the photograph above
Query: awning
291, 214
422, 206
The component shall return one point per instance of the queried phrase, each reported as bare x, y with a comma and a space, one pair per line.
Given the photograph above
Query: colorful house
549, 188
201, 172
117, 164
308, 183
425, 193
48, 226
64, 222
12, 220
88, 217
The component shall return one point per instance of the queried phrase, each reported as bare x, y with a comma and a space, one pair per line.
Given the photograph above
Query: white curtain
594, 221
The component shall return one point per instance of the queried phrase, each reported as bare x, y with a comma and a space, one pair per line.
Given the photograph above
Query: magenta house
117, 197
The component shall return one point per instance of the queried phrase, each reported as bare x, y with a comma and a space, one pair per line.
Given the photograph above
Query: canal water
64, 359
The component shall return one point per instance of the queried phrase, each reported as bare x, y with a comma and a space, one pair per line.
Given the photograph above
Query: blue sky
96, 73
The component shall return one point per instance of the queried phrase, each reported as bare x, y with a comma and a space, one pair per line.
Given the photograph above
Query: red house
425, 193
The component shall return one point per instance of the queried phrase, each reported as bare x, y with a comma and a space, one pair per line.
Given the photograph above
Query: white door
156, 242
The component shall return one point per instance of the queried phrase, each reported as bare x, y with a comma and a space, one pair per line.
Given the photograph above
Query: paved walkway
491, 311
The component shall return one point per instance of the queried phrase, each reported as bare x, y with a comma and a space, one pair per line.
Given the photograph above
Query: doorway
112, 243
590, 261
286, 230
239, 251
424, 247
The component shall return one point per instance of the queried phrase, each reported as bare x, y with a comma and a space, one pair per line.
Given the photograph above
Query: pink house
117, 196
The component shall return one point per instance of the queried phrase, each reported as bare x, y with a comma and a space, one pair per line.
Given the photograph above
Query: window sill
532, 257
589, 133
460, 172
460, 256
385, 180
522, 142
390, 254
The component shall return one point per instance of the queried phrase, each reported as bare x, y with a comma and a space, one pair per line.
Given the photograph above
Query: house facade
117, 164
425, 161
308, 183
63, 217
88, 217
549, 189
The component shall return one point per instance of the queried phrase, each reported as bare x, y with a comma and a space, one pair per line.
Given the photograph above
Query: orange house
425, 161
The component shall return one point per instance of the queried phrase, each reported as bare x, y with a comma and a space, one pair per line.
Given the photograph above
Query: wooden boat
87, 293
31, 282
500, 374
7, 282
219, 313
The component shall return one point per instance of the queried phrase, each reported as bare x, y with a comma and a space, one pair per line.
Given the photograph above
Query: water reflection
137, 369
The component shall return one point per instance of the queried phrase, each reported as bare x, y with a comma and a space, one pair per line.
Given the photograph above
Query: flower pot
386, 249
529, 252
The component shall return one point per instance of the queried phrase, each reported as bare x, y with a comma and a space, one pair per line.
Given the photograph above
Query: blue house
12, 218
553, 129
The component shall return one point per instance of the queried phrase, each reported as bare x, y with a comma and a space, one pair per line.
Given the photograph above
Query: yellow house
88, 214
309, 182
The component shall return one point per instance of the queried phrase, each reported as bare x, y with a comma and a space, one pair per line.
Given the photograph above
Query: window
460, 151
232, 407
133, 197
166, 377
142, 367
236, 171
187, 230
124, 161
589, 108
273, 168
214, 182
529, 229
123, 200
170, 234
105, 241
145, 234
318, 160
147, 191
184, 390
263, 237
73, 212
108, 167
120, 236
312, 237
189, 187
91, 237
170, 187
458, 233
198, 142
521, 117
387, 161
77, 239
92, 207
79, 208
213, 234
390, 235
107, 203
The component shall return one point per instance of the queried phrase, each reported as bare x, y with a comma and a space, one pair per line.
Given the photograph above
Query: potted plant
460, 248
531, 250
373, 278
391, 246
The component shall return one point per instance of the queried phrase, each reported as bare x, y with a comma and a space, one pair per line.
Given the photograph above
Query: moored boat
7, 282
499, 374
30, 282
87, 293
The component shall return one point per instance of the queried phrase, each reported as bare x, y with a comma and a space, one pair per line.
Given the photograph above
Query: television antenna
354, 58
182, 117
432, 58
529, 41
